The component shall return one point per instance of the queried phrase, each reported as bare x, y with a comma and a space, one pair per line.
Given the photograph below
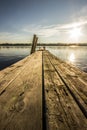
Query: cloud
75, 24
13, 37
4, 34
52, 30
81, 14
83, 11
46, 31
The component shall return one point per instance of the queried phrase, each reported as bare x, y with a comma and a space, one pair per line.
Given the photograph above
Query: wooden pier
42, 92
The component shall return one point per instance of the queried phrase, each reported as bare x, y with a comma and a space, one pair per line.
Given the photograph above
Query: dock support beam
34, 43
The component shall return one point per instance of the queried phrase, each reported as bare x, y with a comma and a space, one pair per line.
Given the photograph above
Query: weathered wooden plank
61, 106
10, 73
21, 94
21, 102
54, 114
72, 82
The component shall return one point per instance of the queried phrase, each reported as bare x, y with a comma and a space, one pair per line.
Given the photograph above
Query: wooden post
34, 43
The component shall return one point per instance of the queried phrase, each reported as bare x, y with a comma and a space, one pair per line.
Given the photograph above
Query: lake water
75, 55
10, 55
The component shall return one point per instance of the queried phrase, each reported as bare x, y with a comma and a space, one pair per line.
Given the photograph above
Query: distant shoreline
43, 44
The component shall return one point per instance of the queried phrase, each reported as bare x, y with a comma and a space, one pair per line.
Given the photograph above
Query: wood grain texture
42, 81
62, 110
21, 100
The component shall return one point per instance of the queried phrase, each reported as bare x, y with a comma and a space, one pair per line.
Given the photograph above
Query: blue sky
52, 20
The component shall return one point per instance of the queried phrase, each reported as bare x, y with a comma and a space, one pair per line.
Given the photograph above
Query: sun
75, 33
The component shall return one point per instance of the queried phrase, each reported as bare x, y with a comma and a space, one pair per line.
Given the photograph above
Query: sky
54, 21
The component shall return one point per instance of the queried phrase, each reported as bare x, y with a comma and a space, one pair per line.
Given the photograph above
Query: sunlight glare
75, 33
72, 57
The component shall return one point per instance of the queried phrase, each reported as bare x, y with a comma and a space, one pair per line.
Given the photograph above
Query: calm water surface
74, 55
10, 55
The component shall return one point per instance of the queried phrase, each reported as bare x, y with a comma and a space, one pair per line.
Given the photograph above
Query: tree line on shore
44, 44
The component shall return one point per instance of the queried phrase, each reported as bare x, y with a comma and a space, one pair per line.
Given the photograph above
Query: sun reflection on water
71, 57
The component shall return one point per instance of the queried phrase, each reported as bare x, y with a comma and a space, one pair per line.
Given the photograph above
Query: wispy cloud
52, 30
75, 24
49, 32
46, 31
80, 15
13, 37
57, 29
